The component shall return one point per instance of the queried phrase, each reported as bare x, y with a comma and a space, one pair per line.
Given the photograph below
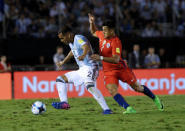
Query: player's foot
108, 111
158, 103
61, 105
129, 110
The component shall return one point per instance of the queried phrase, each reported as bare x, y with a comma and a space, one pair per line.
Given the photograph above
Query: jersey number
91, 75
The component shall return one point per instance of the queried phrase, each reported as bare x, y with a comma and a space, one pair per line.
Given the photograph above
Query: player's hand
80, 58
59, 65
95, 57
91, 18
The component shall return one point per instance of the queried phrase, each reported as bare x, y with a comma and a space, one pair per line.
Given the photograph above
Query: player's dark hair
65, 29
109, 23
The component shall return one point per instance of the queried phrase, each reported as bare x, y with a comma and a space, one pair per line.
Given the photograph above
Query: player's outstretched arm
93, 27
86, 49
66, 59
114, 59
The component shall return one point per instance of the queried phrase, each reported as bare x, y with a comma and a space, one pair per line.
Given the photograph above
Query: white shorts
83, 75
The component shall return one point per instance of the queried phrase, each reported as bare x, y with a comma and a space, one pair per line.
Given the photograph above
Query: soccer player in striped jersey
86, 74
114, 67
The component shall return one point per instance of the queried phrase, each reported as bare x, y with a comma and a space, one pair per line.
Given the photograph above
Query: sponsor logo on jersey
80, 41
117, 50
108, 45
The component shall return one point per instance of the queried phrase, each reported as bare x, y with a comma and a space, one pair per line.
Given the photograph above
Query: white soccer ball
38, 107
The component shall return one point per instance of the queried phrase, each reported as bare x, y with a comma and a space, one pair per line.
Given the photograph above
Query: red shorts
125, 75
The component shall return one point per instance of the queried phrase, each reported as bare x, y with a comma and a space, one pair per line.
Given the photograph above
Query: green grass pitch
86, 115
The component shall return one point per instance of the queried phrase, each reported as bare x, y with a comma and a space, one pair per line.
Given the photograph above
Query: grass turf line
85, 115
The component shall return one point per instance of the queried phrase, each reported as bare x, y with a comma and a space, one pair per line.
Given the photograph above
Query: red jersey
108, 48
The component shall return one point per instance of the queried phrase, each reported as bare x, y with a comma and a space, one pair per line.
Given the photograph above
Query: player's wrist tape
101, 57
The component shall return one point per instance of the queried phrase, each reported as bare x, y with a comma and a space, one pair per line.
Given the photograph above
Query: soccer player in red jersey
114, 67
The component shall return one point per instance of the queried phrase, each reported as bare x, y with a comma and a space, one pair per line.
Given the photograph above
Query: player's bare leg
143, 89
62, 91
113, 90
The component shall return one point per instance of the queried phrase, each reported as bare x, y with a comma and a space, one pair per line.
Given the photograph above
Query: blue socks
121, 101
148, 92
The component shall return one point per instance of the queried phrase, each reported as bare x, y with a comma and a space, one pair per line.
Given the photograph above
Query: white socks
62, 91
99, 97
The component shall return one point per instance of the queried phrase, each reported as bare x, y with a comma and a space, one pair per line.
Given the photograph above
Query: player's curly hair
65, 29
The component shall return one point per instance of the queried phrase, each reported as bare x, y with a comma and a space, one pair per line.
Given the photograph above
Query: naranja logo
45, 86
171, 84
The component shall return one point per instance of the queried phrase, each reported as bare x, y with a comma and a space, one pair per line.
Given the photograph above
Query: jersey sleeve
81, 40
116, 47
99, 34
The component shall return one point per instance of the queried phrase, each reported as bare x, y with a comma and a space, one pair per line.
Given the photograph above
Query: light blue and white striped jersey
76, 48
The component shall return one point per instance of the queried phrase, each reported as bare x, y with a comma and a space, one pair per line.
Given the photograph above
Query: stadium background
32, 26
29, 30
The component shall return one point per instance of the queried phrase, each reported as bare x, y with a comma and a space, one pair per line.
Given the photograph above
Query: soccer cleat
129, 110
61, 105
158, 103
108, 111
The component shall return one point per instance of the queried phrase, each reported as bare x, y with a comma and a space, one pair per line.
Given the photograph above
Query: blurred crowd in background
150, 58
142, 18
43, 18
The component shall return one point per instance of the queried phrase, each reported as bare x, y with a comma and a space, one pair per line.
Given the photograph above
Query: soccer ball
38, 107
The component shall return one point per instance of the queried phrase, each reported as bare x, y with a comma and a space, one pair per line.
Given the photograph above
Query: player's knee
62, 79
89, 85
